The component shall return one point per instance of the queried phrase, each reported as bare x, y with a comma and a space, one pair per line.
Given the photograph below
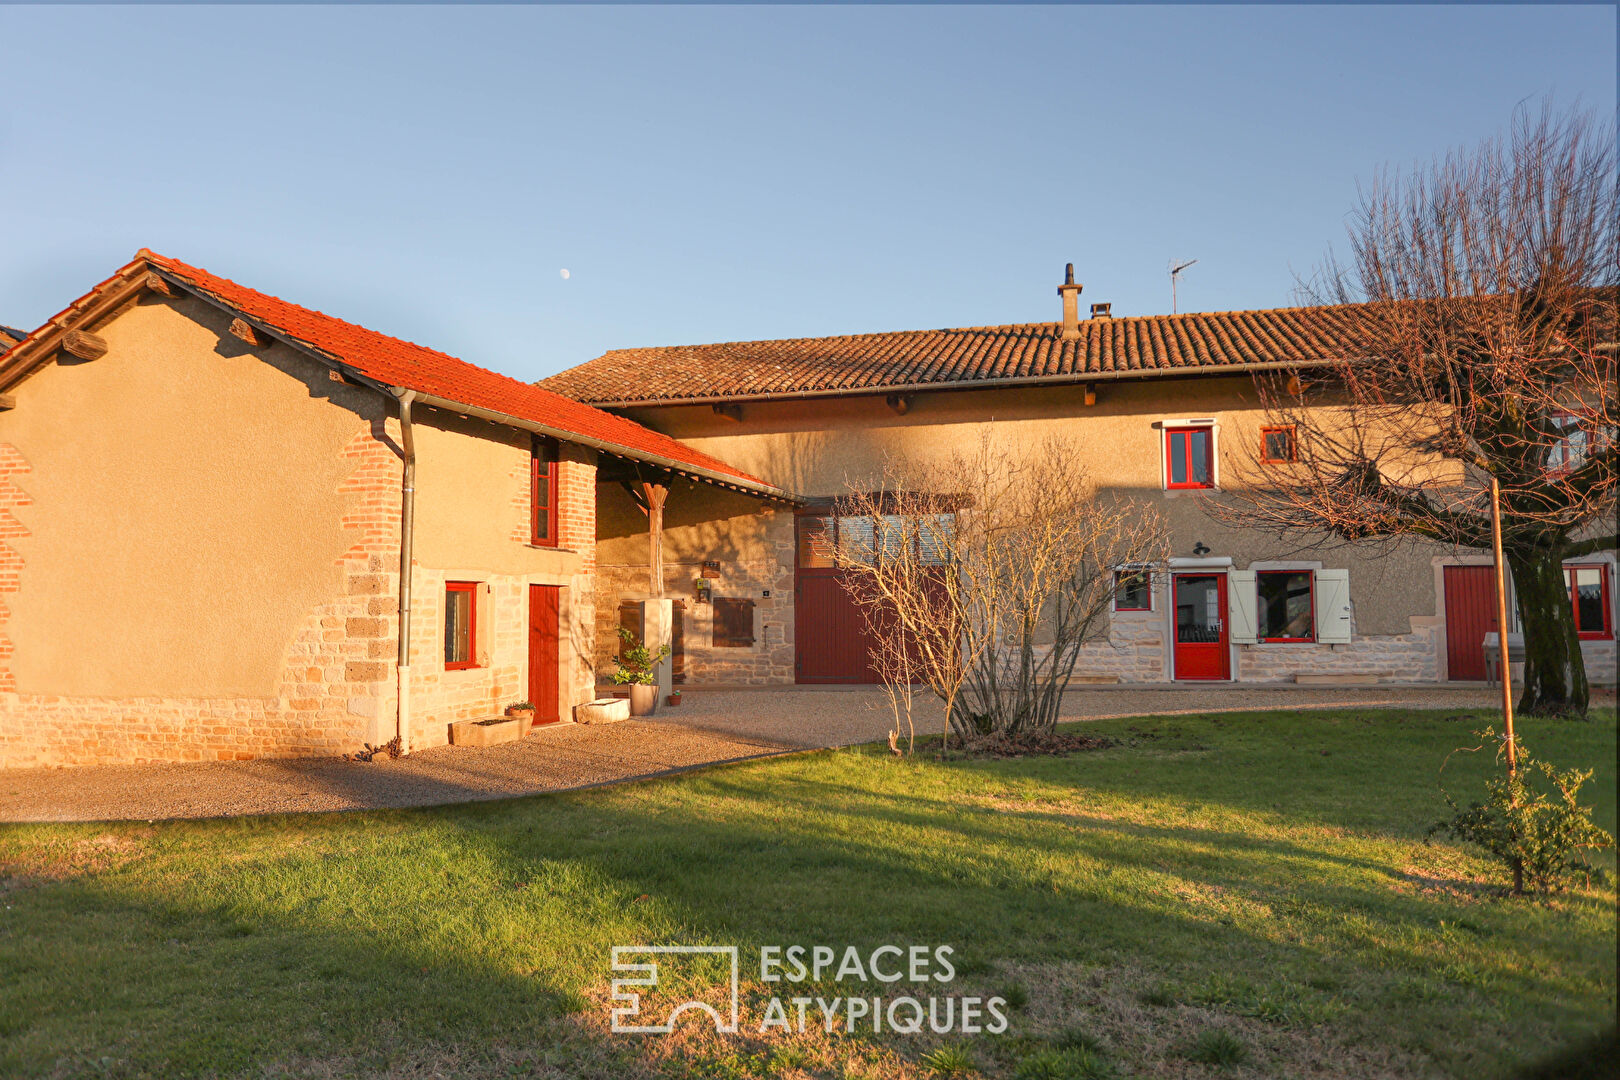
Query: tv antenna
1175, 272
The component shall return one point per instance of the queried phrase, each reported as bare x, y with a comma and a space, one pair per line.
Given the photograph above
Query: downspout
407, 534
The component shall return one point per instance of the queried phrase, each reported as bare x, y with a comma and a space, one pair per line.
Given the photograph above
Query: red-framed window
1189, 457
1133, 590
1285, 605
1278, 446
460, 625
1589, 594
543, 492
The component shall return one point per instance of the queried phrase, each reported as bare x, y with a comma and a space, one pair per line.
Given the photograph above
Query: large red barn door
1470, 615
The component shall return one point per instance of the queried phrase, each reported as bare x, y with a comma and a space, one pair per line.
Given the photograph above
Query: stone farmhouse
233, 527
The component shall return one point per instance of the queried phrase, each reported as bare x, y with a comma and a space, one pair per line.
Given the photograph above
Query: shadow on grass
230, 946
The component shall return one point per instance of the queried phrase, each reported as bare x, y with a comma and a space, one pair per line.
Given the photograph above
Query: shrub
1016, 995
1218, 1047
1531, 823
950, 1061
1078, 1039
1077, 1064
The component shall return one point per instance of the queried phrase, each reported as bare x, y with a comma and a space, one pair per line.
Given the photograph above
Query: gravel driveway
712, 726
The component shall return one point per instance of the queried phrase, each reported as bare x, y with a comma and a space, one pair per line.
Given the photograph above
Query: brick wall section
12, 468
335, 678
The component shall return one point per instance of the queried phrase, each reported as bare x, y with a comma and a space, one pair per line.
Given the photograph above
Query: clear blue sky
710, 174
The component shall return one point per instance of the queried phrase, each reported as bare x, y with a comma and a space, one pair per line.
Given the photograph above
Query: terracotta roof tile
394, 362
964, 356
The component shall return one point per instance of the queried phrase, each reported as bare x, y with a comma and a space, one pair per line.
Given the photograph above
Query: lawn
1262, 875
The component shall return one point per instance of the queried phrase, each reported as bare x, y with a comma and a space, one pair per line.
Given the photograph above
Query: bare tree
989, 571
1476, 322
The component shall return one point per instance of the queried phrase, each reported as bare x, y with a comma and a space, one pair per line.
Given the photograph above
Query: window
1133, 590
1589, 593
460, 625
1284, 606
929, 535
1189, 457
1568, 448
543, 493
733, 623
1277, 445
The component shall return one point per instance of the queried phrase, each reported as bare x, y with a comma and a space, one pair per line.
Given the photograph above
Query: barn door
832, 642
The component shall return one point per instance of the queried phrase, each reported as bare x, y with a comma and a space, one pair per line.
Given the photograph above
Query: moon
565, 274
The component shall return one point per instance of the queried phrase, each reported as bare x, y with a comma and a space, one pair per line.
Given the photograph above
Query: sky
732, 173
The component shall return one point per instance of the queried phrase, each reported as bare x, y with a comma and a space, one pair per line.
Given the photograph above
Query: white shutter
1333, 607
1240, 603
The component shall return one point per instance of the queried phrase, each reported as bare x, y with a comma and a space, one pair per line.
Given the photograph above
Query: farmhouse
233, 527
1166, 410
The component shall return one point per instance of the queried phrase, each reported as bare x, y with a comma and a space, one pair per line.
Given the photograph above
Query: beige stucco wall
821, 447
182, 509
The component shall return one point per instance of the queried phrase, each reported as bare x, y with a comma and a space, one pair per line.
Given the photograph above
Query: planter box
602, 711
487, 732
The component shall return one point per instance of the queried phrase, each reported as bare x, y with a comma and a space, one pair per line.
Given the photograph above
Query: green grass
1267, 870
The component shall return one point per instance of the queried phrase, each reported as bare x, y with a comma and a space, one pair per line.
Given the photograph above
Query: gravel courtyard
710, 727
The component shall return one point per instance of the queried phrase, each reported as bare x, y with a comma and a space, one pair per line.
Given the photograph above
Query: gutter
407, 537
1235, 370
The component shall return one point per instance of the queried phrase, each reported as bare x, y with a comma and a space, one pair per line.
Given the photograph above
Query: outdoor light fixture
1200, 548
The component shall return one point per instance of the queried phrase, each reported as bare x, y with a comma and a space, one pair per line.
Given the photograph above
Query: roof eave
962, 384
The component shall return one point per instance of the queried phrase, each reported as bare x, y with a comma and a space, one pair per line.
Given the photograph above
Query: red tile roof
395, 362
919, 359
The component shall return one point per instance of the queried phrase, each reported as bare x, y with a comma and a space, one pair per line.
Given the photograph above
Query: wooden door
1470, 615
1203, 644
545, 603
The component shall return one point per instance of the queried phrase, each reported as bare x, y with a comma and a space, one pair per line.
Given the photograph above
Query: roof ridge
988, 327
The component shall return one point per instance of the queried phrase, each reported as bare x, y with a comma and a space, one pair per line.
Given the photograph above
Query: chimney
1071, 304
1102, 311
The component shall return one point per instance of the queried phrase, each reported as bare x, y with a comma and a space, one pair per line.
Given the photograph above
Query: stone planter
643, 699
525, 719
602, 711
488, 732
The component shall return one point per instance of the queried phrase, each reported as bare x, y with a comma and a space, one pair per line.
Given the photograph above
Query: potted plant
638, 669
524, 711
674, 696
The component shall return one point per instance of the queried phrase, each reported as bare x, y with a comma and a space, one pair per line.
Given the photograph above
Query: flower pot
643, 699
525, 719
674, 699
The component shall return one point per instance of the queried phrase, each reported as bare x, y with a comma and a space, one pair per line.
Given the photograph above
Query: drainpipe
407, 534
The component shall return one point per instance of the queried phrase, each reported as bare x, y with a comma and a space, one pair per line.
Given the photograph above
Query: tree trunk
1554, 672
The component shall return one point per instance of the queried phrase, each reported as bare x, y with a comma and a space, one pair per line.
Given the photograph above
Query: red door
1202, 649
544, 605
832, 642
1470, 615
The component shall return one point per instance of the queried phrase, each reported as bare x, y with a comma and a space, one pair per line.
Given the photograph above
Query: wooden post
656, 494
1501, 630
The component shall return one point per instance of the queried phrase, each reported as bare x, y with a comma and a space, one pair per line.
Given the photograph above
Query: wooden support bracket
730, 412
900, 403
8, 401
1295, 387
1091, 393
84, 345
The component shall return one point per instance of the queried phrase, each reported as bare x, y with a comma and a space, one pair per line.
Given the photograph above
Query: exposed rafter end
1295, 387
8, 401
244, 331
161, 285
730, 412
84, 345
900, 403
1091, 393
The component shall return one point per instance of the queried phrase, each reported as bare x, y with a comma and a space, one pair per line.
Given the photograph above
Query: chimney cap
1069, 282
1103, 310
